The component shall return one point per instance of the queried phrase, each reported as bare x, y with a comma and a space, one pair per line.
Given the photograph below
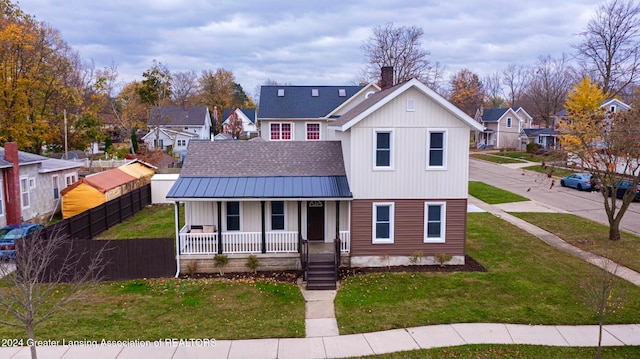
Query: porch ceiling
261, 187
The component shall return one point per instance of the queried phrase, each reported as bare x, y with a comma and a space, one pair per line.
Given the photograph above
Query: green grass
493, 195
555, 171
495, 158
588, 235
521, 156
485, 351
155, 221
527, 282
153, 309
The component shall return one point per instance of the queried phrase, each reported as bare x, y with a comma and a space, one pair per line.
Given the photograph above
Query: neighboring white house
39, 182
172, 127
248, 117
502, 127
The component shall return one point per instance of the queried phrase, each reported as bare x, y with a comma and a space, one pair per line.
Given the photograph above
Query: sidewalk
352, 345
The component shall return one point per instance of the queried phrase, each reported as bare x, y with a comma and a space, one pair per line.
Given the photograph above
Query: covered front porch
267, 225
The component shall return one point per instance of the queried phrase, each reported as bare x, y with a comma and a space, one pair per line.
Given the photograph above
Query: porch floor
321, 247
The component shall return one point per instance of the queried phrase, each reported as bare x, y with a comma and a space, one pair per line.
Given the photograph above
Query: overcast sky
307, 42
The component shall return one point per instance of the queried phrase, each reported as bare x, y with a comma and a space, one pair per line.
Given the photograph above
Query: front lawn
494, 351
588, 235
493, 195
528, 282
494, 158
553, 170
153, 309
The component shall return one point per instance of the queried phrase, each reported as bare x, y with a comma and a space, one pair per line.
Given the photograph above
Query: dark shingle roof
298, 101
24, 157
263, 158
530, 132
177, 116
493, 114
364, 105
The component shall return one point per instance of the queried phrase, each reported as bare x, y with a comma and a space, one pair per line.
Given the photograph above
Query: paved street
537, 187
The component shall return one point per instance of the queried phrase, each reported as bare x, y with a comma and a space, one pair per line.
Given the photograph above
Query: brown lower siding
408, 228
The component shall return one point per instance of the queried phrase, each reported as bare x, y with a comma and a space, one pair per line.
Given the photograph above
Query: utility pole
66, 154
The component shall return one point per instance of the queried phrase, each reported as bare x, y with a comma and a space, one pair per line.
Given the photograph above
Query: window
508, 122
70, 179
233, 216
280, 132
434, 221
436, 148
32, 183
277, 215
383, 146
383, 223
161, 143
24, 192
313, 131
56, 187
411, 105
182, 143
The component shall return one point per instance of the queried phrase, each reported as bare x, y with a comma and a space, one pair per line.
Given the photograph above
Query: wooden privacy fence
94, 221
121, 259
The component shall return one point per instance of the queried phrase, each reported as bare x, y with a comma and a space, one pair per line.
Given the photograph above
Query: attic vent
280, 92
342, 92
369, 94
314, 92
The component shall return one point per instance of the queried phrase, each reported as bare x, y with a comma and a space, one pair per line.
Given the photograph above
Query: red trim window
280, 132
313, 131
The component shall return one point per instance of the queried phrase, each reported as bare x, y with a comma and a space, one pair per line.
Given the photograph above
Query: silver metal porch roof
260, 187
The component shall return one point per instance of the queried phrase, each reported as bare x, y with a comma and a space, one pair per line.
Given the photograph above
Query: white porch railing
238, 242
345, 241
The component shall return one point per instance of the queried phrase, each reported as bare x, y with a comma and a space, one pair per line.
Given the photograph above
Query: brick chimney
185, 105
386, 78
12, 194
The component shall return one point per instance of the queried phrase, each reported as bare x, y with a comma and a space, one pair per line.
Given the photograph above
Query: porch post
264, 231
219, 227
177, 220
337, 219
299, 226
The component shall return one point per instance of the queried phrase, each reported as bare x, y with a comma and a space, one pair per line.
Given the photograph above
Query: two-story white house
502, 127
390, 180
172, 127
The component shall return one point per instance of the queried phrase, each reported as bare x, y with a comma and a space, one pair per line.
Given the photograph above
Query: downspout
177, 218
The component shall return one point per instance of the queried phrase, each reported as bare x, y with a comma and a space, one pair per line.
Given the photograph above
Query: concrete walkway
342, 346
319, 312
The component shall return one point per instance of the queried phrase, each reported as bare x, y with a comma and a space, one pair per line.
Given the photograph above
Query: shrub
219, 261
252, 263
416, 257
533, 147
443, 258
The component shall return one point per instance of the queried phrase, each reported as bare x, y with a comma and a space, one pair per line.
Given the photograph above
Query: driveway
538, 187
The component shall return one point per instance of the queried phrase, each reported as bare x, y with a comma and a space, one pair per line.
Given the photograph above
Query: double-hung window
280, 131
313, 131
383, 156
436, 149
434, 221
233, 216
277, 215
24, 192
56, 187
383, 213
509, 124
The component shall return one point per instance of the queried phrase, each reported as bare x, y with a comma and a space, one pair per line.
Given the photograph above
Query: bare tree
493, 90
515, 78
610, 45
550, 82
184, 86
36, 290
400, 48
600, 295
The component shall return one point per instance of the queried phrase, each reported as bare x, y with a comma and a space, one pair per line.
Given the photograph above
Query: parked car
622, 188
10, 233
581, 181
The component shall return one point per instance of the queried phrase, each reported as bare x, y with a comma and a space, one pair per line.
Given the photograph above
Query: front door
315, 220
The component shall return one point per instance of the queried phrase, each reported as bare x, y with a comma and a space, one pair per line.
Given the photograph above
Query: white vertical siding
410, 177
